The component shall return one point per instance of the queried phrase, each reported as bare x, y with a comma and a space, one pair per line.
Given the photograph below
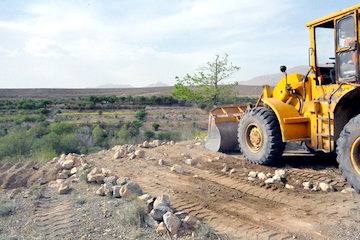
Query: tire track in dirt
55, 218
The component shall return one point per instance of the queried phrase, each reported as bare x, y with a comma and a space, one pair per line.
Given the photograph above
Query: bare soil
232, 205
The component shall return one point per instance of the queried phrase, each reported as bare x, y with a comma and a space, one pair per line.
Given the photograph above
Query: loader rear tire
348, 152
260, 137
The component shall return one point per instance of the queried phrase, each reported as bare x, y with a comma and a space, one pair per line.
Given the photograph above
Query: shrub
61, 128
16, 144
155, 126
99, 135
69, 143
141, 115
7, 209
168, 136
148, 134
133, 213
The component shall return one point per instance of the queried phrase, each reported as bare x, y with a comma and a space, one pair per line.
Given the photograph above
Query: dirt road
242, 209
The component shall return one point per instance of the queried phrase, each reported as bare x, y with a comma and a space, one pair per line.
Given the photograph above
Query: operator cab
334, 49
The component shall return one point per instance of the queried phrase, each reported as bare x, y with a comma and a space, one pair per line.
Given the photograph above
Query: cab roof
333, 15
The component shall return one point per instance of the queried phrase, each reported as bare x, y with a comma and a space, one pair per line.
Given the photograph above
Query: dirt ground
231, 204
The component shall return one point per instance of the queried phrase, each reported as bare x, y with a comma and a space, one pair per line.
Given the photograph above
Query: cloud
76, 44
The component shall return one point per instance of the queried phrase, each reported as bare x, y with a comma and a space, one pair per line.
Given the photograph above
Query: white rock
132, 156
281, 173
307, 185
100, 191
130, 189
145, 197
251, 179
63, 188
161, 229
253, 174
261, 176
156, 143
68, 163
122, 181
108, 189
348, 190
145, 144
73, 170
161, 162
270, 181
172, 143
116, 191
325, 187
163, 199
232, 171
288, 186
140, 153
119, 154
177, 169
191, 162
172, 222
225, 168
269, 175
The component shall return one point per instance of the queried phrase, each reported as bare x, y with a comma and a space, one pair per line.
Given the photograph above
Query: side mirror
283, 69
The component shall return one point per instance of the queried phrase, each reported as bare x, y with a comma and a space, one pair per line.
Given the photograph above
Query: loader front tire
260, 137
348, 152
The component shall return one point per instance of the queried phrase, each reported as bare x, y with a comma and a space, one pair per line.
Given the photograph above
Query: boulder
325, 187
253, 174
140, 153
68, 163
73, 170
132, 156
64, 174
270, 181
288, 186
191, 162
177, 169
63, 188
122, 181
191, 221
172, 222
150, 221
162, 200
100, 191
307, 185
348, 190
156, 143
251, 179
106, 172
145, 144
161, 162
119, 154
116, 191
98, 178
280, 173
108, 189
161, 229
110, 180
261, 176
130, 189
158, 212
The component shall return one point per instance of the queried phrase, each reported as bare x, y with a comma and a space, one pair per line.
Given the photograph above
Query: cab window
346, 49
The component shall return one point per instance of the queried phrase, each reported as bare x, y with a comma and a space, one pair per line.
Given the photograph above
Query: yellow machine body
313, 108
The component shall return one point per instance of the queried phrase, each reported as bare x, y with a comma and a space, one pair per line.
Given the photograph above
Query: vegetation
7, 209
206, 86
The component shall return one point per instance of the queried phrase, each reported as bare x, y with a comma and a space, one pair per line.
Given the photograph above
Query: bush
155, 126
141, 115
133, 213
69, 143
99, 135
16, 144
7, 209
148, 134
61, 128
168, 136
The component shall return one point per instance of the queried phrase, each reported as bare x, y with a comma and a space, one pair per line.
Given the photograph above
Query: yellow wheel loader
320, 109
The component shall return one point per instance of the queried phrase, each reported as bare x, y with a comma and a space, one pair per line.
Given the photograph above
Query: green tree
148, 134
99, 135
155, 126
141, 115
207, 84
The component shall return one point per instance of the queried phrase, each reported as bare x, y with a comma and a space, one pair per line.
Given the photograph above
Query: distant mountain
157, 84
115, 86
273, 79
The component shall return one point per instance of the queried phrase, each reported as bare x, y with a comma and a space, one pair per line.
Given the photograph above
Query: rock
162, 200
140, 153
158, 212
68, 163
270, 181
172, 222
185, 155
145, 144
122, 181
146, 197
269, 175
106, 172
63, 174
277, 178
130, 189
14, 192
307, 185
156, 143
261, 176
191, 221
251, 179
116, 191
177, 169
73, 170
161, 229
253, 174
325, 187
98, 178
348, 190
110, 180
130, 149
225, 168
119, 154
100, 191
315, 188
63, 188
108, 189
150, 221
181, 215
161, 162
281, 173
232, 171
191, 162
288, 186
172, 143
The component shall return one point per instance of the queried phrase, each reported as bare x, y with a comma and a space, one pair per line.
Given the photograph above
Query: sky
83, 44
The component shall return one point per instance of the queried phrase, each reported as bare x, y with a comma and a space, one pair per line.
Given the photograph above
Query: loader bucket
222, 129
